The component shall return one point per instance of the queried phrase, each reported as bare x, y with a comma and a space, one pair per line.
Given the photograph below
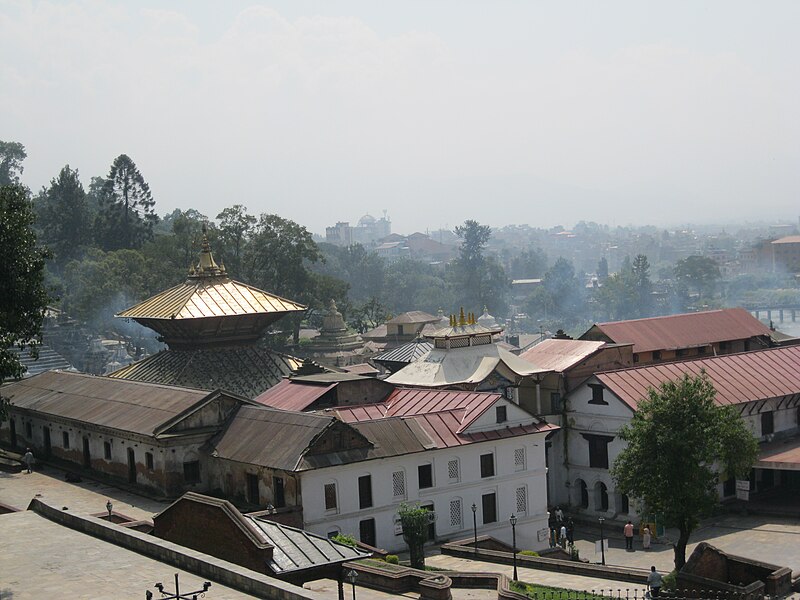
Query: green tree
679, 445
478, 280
23, 297
127, 214
602, 268
529, 264
415, 522
278, 259
11, 156
643, 287
63, 215
235, 228
698, 273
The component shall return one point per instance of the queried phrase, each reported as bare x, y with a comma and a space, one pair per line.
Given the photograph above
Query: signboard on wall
743, 489
542, 534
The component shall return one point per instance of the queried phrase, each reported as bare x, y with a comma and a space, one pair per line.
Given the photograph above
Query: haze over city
621, 113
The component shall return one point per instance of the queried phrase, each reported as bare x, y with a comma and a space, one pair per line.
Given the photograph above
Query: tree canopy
23, 296
63, 215
127, 214
679, 445
11, 156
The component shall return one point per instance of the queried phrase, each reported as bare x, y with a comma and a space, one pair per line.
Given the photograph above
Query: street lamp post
602, 541
513, 521
351, 577
475, 527
109, 508
177, 595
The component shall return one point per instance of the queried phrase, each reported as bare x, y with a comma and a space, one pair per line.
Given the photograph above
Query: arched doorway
600, 496
583, 493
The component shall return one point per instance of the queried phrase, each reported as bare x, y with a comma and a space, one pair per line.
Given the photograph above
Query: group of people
562, 532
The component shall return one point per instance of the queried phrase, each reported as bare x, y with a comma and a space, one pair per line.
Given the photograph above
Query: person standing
553, 531
563, 535
628, 531
559, 515
654, 582
646, 538
571, 532
28, 460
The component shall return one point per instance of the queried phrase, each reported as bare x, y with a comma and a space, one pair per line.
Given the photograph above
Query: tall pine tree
63, 215
126, 215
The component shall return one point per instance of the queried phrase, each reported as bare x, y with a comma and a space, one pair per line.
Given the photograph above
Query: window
522, 500
425, 475
625, 504
65, 439
28, 430
656, 354
555, 403
366, 532
399, 484
701, 350
332, 534
636, 358
601, 497
455, 512
148, 460
365, 492
489, 505
453, 471
253, 493
598, 450
767, 423
487, 465
107, 450
597, 394
331, 502
724, 346
278, 491
519, 459
191, 471
500, 413
680, 352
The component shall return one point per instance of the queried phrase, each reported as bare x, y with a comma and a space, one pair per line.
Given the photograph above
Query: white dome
367, 219
486, 319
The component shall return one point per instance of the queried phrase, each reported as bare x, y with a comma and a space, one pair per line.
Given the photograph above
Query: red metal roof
687, 330
737, 378
410, 401
290, 395
780, 454
560, 355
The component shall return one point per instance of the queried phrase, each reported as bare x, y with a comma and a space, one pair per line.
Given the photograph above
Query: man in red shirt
628, 531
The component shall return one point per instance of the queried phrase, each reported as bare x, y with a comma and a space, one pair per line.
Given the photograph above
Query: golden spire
206, 266
461, 319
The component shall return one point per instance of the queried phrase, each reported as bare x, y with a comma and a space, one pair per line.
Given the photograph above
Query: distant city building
786, 254
367, 233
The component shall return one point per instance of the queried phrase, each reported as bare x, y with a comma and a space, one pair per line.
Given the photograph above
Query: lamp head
474, 507
513, 520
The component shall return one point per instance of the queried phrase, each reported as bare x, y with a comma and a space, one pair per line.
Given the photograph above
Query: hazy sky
506, 112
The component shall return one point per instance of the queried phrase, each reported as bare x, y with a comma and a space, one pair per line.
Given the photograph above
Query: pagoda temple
211, 325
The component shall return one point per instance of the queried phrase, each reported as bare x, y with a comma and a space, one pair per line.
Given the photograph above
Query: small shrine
336, 345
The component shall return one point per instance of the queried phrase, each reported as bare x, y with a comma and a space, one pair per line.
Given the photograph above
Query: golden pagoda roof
218, 296
209, 292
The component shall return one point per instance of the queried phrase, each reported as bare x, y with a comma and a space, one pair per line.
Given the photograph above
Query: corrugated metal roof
411, 317
269, 437
409, 401
560, 355
406, 353
292, 395
243, 370
297, 550
48, 360
687, 330
789, 239
780, 454
124, 405
210, 297
737, 378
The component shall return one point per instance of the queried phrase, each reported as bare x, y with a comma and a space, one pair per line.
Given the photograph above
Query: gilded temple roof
209, 292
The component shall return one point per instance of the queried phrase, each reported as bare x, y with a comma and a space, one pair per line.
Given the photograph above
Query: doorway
131, 466
48, 446
87, 455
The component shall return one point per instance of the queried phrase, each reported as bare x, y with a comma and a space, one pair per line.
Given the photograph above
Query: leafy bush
343, 538
528, 553
392, 559
670, 580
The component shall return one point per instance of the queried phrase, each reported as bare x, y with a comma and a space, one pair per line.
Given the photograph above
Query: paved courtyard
770, 539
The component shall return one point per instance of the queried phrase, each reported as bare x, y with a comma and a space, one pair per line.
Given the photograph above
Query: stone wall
202, 565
